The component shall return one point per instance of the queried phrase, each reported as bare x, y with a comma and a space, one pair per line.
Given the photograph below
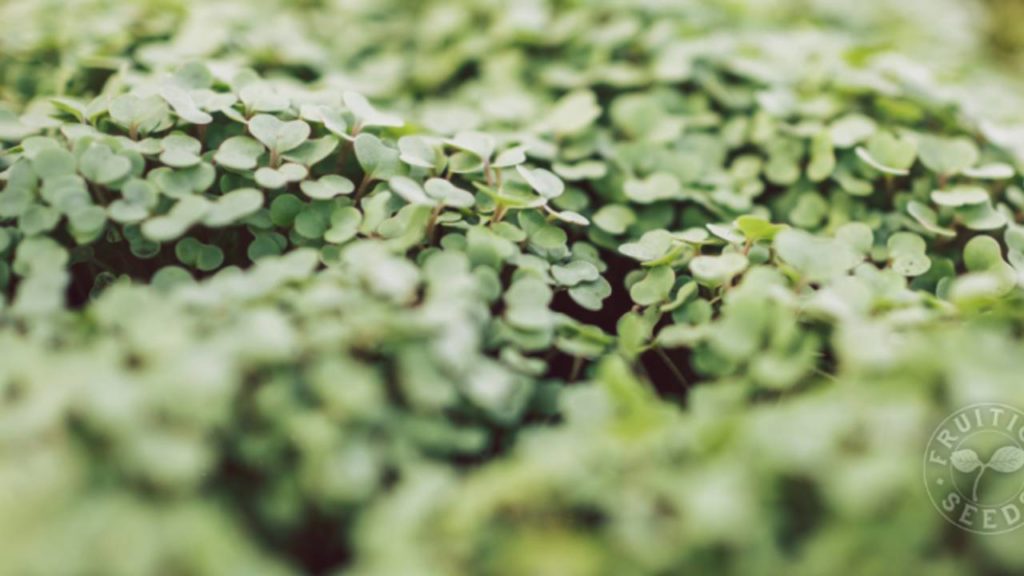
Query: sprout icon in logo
1007, 459
974, 468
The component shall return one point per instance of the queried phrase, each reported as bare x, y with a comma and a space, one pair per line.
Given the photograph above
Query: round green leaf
277, 135
542, 181
446, 193
233, 207
718, 270
239, 153
327, 187
53, 162
654, 287
947, 156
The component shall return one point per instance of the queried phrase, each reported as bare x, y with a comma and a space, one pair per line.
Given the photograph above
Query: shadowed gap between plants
664, 368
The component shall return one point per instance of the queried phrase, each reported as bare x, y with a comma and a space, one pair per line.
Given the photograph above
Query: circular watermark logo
974, 468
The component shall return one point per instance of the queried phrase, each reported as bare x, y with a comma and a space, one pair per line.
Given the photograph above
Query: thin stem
432, 222
824, 374
99, 192
977, 481
577, 365
362, 187
671, 366
343, 154
499, 213
488, 173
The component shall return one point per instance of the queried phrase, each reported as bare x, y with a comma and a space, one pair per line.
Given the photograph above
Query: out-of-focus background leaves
51, 44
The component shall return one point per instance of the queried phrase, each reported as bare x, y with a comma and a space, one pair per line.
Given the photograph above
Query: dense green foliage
442, 288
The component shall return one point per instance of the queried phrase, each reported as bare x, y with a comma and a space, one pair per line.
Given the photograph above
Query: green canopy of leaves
466, 288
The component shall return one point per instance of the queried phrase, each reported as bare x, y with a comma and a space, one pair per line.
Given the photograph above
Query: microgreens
553, 288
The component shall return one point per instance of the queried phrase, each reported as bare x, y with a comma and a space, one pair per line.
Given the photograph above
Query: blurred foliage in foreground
589, 287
